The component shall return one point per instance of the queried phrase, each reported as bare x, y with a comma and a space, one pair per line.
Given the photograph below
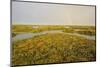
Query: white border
5, 33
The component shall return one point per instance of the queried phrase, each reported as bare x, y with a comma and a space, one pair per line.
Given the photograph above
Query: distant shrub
86, 32
14, 34
68, 30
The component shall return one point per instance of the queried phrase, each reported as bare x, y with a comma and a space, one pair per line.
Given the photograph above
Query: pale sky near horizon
52, 14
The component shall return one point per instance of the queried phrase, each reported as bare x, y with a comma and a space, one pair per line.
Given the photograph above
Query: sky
52, 14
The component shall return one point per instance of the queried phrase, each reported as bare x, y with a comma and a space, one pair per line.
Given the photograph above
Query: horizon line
54, 24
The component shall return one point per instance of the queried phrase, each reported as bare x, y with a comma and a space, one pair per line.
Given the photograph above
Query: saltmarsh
53, 48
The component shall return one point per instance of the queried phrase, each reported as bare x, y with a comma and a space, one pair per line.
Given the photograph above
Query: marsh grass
86, 30
53, 48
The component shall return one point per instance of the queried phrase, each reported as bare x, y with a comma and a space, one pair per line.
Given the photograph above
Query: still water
25, 35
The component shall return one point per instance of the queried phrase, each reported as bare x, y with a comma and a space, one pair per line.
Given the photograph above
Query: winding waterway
25, 35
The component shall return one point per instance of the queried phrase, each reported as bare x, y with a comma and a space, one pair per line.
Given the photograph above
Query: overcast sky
52, 14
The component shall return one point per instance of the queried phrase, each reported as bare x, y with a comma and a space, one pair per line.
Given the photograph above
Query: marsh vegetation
53, 47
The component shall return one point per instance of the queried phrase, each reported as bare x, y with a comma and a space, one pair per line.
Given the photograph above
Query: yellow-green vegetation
35, 28
14, 34
80, 31
68, 30
53, 48
86, 30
